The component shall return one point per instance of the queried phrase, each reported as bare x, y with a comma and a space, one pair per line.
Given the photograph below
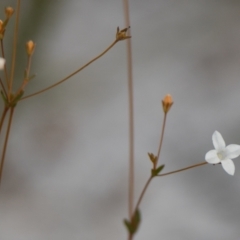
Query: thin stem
72, 74
14, 47
3, 88
130, 236
6, 142
161, 138
26, 77
5, 110
142, 193
29, 61
182, 169
131, 116
5, 66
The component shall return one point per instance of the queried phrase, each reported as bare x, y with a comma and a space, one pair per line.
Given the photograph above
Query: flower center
221, 155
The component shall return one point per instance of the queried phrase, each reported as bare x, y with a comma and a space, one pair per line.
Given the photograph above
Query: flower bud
30, 46
9, 12
122, 34
2, 29
1, 26
167, 102
2, 63
153, 158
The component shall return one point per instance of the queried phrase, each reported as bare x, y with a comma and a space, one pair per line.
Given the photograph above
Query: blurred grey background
66, 167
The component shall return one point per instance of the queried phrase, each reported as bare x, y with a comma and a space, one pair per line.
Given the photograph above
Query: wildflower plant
11, 97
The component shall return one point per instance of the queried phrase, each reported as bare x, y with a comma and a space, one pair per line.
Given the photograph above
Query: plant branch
6, 142
142, 193
161, 139
5, 110
72, 74
3, 88
182, 169
14, 48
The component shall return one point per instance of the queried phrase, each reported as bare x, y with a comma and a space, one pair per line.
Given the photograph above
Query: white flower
222, 154
2, 63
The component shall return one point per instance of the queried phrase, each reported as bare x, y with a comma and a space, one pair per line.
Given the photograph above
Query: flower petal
228, 166
211, 157
232, 151
218, 141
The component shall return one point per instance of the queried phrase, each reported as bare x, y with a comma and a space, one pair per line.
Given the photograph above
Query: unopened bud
9, 12
167, 102
1, 26
2, 29
122, 34
30, 46
2, 63
153, 158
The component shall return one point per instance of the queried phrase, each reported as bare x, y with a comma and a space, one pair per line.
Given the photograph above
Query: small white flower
222, 154
2, 63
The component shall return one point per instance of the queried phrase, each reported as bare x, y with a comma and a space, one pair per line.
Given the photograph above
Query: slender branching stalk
143, 192
72, 74
26, 77
151, 177
6, 142
182, 169
10, 98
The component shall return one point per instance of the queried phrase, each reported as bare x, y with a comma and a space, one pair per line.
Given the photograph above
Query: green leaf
156, 171
136, 220
128, 225
132, 226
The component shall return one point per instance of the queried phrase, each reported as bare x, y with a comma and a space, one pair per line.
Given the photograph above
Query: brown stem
3, 88
3, 117
26, 76
131, 116
6, 142
72, 74
182, 169
14, 47
161, 139
29, 60
142, 193
130, 237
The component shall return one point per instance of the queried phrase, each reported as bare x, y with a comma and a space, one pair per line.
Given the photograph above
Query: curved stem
6, 142
142, 193
72, 74
182, 169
